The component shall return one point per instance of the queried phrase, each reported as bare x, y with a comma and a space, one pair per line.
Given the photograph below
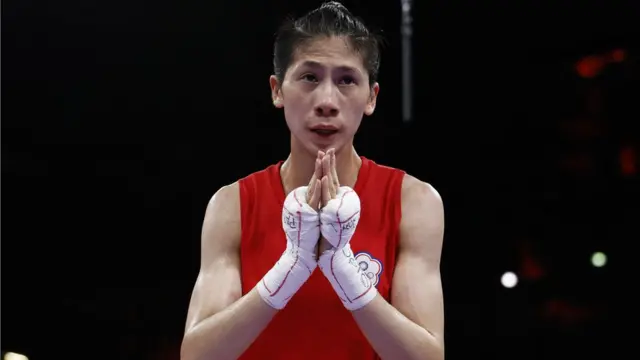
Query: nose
327, 104
326, 109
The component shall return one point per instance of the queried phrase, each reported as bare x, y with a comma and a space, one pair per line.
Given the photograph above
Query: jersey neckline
361, 180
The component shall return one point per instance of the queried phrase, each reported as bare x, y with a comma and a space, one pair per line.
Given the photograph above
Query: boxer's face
324, 94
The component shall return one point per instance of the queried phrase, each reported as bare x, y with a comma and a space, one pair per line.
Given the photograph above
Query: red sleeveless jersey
315, 324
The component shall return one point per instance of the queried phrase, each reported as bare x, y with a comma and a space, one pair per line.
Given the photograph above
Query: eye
347, 80
309, 77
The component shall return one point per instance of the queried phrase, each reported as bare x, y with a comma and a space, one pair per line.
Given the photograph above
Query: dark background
120, 119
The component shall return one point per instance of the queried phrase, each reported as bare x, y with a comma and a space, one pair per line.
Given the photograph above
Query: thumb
312, 189
314, 200
325, 190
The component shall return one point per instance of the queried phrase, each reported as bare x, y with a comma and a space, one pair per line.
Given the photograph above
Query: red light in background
628, 164
530, 266
618, 55
589, 66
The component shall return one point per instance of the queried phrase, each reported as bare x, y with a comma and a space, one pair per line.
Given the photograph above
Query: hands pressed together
319, 221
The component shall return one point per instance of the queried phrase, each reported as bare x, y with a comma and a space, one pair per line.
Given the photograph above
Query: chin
337, 146
313, 148
313, 145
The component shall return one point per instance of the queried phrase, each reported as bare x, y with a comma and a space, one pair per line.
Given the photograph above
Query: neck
297, 170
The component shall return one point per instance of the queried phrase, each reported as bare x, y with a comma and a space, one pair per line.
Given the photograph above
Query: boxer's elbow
433, 348
426, 346
188, 348
192, 347
197, 347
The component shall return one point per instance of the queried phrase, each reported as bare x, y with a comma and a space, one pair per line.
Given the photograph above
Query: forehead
328, 51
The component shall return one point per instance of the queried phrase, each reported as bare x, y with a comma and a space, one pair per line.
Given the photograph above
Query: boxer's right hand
314, 192
301, 224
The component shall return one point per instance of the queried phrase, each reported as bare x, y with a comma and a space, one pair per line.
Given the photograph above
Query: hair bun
335, 6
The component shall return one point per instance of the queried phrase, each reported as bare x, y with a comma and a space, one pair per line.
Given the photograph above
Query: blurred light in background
598, 259
14, 356
591, 66
509, 279
628, 161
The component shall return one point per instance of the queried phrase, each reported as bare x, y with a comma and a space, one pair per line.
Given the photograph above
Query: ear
276, 91
373, 96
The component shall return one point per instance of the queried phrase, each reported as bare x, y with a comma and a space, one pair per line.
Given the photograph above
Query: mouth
325, 132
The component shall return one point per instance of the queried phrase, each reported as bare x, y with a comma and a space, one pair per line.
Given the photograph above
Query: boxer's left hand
340, 207
329, 186
339, 218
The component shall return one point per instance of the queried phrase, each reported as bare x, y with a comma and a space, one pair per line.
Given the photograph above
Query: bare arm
222, 324
412, 326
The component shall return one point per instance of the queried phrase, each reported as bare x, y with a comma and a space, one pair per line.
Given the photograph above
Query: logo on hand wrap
338, 222
370, 266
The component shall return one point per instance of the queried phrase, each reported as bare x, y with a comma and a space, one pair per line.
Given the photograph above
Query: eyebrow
315, 64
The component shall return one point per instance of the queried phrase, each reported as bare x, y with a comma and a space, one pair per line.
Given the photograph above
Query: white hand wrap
301, 227
339, 219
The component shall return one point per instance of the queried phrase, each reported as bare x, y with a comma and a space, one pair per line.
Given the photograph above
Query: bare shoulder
422, 224
418, 196
227, 196
222, 225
